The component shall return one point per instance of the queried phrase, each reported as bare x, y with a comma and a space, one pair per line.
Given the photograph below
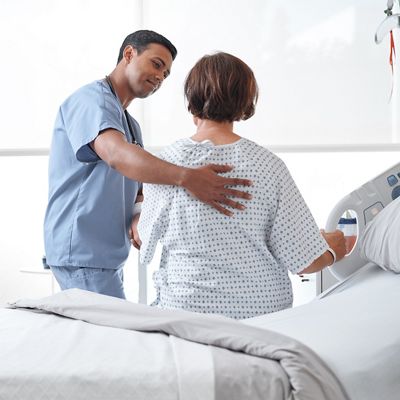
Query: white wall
48, 49
322, 78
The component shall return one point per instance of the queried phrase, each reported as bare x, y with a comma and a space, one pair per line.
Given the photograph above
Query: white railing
307, 148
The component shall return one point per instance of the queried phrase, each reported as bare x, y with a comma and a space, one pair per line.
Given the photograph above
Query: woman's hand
336, 242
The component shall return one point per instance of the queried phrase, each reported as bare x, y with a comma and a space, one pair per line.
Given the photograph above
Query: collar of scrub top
131, 130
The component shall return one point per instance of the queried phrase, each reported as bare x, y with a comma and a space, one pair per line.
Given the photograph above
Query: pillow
380, 242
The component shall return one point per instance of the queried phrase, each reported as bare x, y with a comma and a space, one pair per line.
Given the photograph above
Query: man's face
147, 71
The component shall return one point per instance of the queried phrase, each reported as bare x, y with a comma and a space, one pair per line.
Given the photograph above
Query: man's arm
135, 163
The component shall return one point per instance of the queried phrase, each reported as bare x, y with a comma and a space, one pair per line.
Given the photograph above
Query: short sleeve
87, 112
295, 240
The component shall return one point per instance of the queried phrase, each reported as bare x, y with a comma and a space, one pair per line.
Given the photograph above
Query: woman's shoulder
261, 154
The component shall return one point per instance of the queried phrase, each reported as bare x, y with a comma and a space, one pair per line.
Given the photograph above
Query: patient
236, 266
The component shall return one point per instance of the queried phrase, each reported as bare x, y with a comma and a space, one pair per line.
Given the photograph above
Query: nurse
236, 266
97, 164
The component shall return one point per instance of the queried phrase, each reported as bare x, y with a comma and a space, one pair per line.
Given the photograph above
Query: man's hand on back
205, 184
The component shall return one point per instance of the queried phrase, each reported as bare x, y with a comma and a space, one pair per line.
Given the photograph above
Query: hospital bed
354, 326
343, 345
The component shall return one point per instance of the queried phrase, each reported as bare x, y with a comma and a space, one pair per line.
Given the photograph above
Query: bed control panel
388, 183
363, 204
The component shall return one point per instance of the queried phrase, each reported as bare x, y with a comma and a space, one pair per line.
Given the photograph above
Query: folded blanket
279, 367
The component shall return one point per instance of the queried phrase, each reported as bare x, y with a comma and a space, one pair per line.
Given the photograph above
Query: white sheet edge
195, 369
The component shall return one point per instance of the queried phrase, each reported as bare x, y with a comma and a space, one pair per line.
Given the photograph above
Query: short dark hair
140, 40
221, 87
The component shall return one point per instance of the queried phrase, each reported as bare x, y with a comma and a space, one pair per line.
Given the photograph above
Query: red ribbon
392, 51
392, 56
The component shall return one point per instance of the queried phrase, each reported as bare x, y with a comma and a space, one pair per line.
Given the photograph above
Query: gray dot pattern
235, 266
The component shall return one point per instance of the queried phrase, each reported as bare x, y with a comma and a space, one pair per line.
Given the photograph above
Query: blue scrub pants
100, 280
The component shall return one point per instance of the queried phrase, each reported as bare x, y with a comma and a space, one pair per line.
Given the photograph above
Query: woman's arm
337, 243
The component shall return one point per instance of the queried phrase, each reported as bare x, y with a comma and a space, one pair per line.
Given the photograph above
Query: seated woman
236, 266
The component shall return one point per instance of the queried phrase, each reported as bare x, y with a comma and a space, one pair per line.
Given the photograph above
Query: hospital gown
235, 266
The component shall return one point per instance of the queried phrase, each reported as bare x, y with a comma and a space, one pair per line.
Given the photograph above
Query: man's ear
129, 53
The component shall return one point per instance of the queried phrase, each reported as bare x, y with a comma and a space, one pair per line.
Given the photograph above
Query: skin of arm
204, 183
337, 243
133, 231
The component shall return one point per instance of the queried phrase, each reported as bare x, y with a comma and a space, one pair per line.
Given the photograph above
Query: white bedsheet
49, 357
195, 370
46, 356
355, 330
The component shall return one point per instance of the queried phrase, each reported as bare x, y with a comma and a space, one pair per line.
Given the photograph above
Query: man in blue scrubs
97, 164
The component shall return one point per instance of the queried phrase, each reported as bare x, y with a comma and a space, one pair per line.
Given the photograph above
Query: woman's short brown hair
221, 87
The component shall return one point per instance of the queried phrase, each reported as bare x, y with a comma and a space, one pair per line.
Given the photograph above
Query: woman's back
236, 266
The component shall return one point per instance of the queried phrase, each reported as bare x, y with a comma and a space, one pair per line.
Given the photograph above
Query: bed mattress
355, 329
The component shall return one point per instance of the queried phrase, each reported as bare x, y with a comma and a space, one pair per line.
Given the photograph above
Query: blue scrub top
90, 204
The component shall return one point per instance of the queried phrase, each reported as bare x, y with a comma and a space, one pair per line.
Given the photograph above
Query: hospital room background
328, 106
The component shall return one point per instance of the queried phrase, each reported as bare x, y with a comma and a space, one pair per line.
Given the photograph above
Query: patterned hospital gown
235, 266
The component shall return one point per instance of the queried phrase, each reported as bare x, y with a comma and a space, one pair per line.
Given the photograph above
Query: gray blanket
250, 363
